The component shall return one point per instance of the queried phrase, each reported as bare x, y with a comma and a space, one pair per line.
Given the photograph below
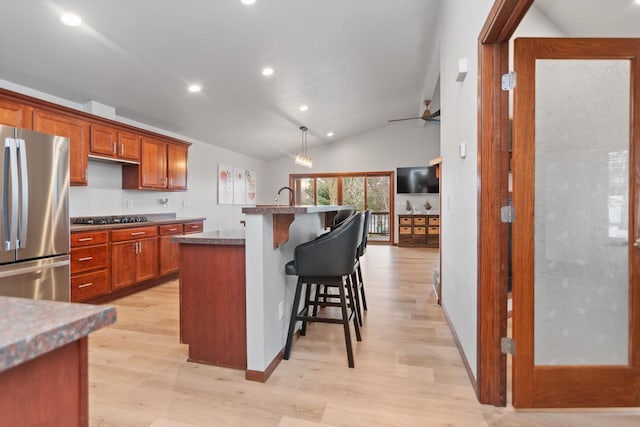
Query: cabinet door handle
121, 149
173, 229
85, 239
138, 233
114, 148
85, 285
87, 258
165, 181
139, 247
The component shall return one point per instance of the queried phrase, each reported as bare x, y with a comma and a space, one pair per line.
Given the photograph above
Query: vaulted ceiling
355, 63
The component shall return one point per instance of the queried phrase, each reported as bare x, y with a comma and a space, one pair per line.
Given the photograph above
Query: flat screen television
419, 179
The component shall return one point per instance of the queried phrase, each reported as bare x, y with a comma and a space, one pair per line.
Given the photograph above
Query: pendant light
302, 159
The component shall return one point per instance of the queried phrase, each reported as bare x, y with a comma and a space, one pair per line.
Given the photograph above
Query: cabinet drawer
434, 230
434, 221
405, 221
405, 230
419, 230
89, 285
421, 220
133, 233
166, 230
89, 258
88, 238
193, 227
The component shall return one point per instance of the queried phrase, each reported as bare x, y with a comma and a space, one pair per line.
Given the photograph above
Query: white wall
383, 149
460, 24
104, 194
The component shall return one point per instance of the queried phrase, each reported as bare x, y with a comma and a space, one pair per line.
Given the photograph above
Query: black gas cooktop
101, 220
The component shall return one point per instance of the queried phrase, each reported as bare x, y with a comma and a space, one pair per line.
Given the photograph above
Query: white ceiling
593, 18
356, 63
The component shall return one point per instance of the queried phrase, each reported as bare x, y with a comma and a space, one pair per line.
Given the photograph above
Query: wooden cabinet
419, 230
89, 265
163, 166
114, 144
177, 166
168, 249
15, 114
134, 255
193, 227
78, 132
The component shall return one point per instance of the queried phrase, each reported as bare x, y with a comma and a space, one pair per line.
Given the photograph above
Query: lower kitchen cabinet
134, 256
169, 250
89, 265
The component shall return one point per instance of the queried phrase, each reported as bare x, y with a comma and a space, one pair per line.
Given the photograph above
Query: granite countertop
286, 209
151, 222
217, 237
30, 328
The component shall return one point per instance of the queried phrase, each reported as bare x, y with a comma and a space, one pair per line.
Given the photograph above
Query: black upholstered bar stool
356, 278
328, 261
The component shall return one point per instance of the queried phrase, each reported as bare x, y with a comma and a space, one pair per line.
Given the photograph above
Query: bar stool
356, 278
341, 216
328, 261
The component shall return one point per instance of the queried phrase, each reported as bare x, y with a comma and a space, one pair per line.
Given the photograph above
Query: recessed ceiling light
195, 88
267, 71
330, 134
304, 108
71, 20
247, 2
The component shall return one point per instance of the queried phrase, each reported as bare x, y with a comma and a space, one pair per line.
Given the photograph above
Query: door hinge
507, 346
509, 81
507, 214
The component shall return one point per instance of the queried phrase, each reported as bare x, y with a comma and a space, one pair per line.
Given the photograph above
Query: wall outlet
281, 310
129, 204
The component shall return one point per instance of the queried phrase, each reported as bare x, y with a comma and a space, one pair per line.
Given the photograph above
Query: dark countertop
217, 237
285, 209
30, 328
96, 227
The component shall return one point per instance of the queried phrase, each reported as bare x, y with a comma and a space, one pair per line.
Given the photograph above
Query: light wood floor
408, 371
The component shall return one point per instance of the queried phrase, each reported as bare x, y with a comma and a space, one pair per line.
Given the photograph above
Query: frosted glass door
576, 233
581, 276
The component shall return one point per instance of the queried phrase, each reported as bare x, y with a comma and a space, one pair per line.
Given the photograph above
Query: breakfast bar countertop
297, 209
217, 237
30, 328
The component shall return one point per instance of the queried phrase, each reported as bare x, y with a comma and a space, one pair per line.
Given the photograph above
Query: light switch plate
462, 150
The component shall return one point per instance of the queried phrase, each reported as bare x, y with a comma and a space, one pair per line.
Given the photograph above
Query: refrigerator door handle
33, 268
10, 175
24, 194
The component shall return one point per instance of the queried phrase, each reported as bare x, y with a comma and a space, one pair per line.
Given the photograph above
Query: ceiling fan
427, 116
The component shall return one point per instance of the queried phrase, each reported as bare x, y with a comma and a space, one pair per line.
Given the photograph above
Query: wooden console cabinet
419, 230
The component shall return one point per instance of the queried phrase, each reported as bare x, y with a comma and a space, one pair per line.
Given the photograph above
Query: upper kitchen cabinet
78, 132
177, 166
113, 144
15, 114
163, 166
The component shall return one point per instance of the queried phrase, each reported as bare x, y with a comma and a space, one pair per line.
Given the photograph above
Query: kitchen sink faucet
291, 196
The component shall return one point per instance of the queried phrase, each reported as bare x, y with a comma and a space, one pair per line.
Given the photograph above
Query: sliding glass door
364, 190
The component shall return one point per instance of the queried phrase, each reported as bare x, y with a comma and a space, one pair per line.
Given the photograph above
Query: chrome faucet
291, 196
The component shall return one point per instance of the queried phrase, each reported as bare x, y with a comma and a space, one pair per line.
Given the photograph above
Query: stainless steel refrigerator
34, 222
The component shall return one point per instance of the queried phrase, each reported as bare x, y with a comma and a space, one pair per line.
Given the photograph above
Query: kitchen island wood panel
213, 303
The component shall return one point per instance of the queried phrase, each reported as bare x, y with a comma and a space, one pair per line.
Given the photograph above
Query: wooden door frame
493, 167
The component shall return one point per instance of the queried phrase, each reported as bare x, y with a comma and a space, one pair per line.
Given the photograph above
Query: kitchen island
248, 266
44, 360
